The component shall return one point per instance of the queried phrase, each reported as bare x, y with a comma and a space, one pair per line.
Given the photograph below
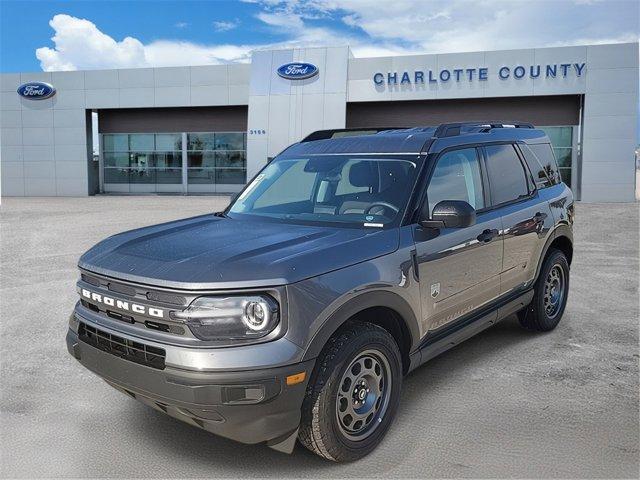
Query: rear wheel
550, 298
353, 394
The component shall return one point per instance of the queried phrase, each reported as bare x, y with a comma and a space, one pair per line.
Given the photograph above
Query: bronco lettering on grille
122, 305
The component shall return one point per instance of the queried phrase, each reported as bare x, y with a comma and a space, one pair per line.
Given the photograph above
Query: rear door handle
487, 235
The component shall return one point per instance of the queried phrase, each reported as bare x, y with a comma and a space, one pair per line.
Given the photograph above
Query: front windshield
341, 189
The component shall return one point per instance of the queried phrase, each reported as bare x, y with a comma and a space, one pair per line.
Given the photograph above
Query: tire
543, 313
323, 427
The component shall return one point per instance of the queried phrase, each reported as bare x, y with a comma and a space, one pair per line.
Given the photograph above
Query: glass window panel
222, 159
168, 159
231, 175
169, 142
141, 159
157, 158
200, 141
346, 187
116, 175
565, 174
542, 163
142, 175
201, 175
229, 141
507, 175
292, 184
231, 159
292, 188
168, 175
563, 155
194, 159
201, 159
457, 177
115, 143
559, 136
116, 159
141, 141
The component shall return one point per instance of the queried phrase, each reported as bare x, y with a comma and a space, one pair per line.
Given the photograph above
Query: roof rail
345, 132
455, 128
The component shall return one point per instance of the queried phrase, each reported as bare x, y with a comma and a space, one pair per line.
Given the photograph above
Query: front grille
90, 279
124, 289
167, 298
121, 347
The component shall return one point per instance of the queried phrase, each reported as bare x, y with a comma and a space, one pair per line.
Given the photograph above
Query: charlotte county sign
297, 71
479, 73
36, 90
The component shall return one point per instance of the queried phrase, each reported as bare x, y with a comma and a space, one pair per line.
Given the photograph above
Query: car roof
414, 140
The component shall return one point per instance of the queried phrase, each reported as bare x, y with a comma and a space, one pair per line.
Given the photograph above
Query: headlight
229, 318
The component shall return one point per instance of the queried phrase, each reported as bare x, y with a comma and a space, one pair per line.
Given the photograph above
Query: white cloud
370, 27
440, 26
79, 44
225, 25
166, 53
181, 25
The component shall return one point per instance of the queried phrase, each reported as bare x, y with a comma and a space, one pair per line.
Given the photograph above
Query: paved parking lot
506, 403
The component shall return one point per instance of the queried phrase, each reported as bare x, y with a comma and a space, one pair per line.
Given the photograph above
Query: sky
77, 35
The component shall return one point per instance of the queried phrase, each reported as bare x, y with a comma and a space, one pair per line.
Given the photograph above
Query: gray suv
352, 258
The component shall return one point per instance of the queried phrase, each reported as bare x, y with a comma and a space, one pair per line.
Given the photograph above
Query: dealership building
207, 129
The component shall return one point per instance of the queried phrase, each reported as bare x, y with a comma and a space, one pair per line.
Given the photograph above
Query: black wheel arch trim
560, 231
370, 299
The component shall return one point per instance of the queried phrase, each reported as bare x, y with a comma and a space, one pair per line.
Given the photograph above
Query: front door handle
487, 235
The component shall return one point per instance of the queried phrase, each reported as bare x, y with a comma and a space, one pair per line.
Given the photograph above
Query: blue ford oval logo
297, 71
36, 90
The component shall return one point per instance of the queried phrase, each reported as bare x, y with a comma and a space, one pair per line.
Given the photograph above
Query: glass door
216, 162
142, 162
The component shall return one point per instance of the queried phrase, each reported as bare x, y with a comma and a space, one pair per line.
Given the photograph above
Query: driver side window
456, 177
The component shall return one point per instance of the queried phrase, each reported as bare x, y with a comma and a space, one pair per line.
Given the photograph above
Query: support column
185, 177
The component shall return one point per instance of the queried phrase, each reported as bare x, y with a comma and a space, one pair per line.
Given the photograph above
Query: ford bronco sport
349, 260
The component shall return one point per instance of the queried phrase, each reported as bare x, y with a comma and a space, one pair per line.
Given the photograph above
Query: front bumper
249, 406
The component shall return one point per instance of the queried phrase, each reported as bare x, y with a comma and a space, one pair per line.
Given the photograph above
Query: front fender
356, 304
319, 306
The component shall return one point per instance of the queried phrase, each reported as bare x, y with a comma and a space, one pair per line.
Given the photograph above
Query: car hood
210, 252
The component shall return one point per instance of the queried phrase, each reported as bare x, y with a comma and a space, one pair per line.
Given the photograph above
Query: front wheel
353, 394
551, 292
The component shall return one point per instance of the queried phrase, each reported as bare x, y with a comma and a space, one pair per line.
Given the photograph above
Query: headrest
362, 174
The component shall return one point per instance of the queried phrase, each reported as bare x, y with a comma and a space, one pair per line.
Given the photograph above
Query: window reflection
142, 158
217, 158
156, 158
562, 143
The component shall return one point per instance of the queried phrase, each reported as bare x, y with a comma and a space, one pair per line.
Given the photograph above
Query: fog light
242, 394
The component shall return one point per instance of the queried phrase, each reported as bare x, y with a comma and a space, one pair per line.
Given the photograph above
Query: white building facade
208, 129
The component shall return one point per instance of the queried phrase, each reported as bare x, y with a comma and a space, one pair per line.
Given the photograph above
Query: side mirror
451, 214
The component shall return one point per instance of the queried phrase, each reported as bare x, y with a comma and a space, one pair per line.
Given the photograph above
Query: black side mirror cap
451, 214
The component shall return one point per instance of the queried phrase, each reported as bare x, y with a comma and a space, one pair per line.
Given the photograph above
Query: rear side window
542, 164
507, 175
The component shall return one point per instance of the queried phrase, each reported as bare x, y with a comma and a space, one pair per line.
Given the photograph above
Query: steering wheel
383, 205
